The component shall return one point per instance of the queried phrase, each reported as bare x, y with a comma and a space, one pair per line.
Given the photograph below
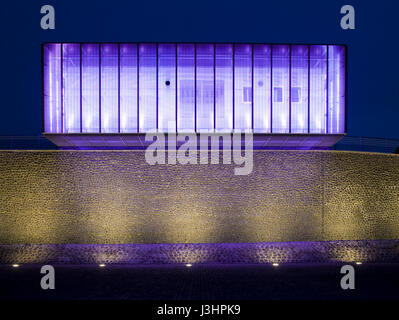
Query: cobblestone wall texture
197, 253
115, 197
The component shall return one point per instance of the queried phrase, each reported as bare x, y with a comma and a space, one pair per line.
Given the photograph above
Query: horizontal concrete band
276, 140
279, 252
116, 197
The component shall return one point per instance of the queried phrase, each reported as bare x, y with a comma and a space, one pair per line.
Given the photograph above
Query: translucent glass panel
262, 85
205, 87
280, 88
167, 87
336, 89
243, 87
224, 87
128, 88
90, 88
318, 89
185, 88
147, 87
299, 89
109, 88
71, 87
52, 88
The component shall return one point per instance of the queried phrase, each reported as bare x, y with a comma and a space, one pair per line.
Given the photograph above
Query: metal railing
25, 142
368, 144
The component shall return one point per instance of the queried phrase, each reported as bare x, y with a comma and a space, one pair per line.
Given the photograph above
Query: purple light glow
261, 88
52, 88
280, 93
90, 88
205, 87
224, 87
336, 89
203, 253
318, 89
107, 88
243, 87
128, 88
167, 87
185, 87
147, 87
71, 87
299, 89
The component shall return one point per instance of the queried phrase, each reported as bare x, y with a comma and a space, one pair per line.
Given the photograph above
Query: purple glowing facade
136, 88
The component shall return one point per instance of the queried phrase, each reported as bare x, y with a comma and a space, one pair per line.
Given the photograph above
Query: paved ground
294, 281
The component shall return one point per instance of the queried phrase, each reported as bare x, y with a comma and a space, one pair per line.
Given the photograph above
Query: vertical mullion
43, 89
271, 88
233, 88
138, 86
252, 85
156, 70
327, 86
195, 87
214, 87
289, 89
345, 90
176, 60
99, 85
80, 80
308, 88
62, 88
43, 58
119, 87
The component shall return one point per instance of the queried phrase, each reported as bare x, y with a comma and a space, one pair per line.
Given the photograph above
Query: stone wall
348, 251
115, 197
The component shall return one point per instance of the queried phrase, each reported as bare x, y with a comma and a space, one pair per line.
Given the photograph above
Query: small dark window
167, 82
247, 94
295, 94
278, 94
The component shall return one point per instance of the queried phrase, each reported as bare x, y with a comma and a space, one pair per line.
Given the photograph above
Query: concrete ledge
135, 140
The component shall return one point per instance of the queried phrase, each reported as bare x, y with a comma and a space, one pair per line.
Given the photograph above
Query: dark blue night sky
373, 63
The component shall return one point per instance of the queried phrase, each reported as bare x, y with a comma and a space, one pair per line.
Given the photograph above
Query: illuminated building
287, 95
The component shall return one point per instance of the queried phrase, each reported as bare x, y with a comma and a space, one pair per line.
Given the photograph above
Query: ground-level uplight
15, 265
358, 262
275, 264
189, 265
101, 265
